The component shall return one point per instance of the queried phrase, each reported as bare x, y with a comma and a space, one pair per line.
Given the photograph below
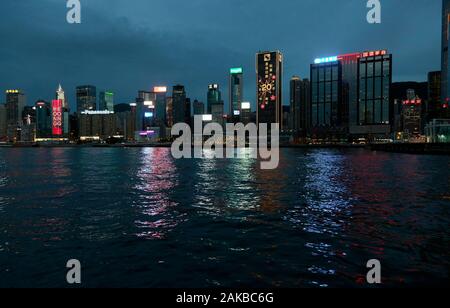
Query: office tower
246, 113
60, 95
214, 96
28, 115
305, 106
295, 103
145, 108
217, 113
187, 112
97, 125
199, 108
445, 63
269, 71
15, 103
169, 111
375, 79
286, 118
412, 115
236, 92
363, 90
434, 107
57, 118
43, 120
350, 65
179, 104
327, 107
3, 124
300, 105
106, 101
160, 105
86, 98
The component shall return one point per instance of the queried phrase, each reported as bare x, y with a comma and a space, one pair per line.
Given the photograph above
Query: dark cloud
130, 45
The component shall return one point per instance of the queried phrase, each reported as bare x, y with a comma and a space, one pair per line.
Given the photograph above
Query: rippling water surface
139, 218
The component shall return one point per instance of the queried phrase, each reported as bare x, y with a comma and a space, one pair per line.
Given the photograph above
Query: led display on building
57, 117
269, 74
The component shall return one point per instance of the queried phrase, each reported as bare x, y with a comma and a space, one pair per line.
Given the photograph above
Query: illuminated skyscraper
327, 109
86, 98
60, 95
106, 101
445, 61
179, 104
269, 71
160, 105
236, 92
15, 103
43, 120
214, 96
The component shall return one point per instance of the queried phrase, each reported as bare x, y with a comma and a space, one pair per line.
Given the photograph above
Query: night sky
128, 45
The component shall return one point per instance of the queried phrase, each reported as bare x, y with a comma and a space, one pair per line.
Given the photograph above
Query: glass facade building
214, 96
326, 95
106, 101
86, 98
236, 92
178, 104
374, 84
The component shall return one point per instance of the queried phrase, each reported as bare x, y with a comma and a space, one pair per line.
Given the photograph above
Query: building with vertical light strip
269, 72
236, 92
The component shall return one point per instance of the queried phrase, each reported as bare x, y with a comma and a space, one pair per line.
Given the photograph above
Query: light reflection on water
156, 177
314, 221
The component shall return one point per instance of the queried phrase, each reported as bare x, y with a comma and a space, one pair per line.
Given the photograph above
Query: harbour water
136, 217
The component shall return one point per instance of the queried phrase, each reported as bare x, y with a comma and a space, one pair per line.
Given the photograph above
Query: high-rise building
434, 108
43, 120
188, 112
327, 106
179, 104
199, 108
86, 98
374, 117
269, 71
351, 94
97, 125
295, 94
214, 96
300, 105
169, 111
106, 101
236, 92
3, 124
160, 105
412, 115
60, 95
445, 61
15, 103
246, 113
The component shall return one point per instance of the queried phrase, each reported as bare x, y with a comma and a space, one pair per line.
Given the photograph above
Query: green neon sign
237, 70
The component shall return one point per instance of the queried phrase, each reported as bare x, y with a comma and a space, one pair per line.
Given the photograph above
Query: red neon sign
412, 102
374, 53
57, 117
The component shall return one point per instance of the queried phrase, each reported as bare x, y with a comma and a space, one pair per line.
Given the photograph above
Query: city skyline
142, 71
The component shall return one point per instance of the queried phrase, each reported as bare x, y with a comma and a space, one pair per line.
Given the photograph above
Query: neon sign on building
57, 117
